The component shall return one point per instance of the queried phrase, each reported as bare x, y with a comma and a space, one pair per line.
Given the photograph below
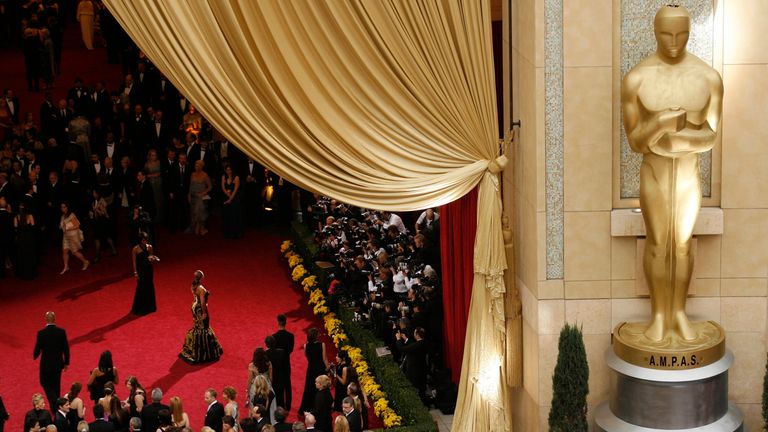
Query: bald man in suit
53, 349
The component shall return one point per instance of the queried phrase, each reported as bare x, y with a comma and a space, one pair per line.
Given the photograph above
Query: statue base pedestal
672, 352
645, 399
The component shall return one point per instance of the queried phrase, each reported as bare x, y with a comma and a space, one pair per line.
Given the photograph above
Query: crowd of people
102, 160
268, 396
389, 272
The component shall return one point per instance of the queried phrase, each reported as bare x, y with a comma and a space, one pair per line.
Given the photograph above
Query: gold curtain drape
385, 104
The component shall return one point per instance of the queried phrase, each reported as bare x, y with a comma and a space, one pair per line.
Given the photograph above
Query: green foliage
570, 384
765, 398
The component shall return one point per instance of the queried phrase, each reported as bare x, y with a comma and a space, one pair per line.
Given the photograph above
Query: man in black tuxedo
60, 420
53, 349
259, 415
280, 364
352, 415
63, 117
280, 424
206, 155
144, 80
193, 148
7, 234
100, 102
144, 194
149, 414
110, 148
159, 132
415, 363
177, 187
251, 185
13, 105
52, 195
215, 411
81, 96
48, 117
284, 340
100, 425
226, 152
137, 134
164, 98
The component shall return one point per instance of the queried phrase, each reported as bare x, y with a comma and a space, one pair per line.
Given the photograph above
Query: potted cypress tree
765, 399
570, 383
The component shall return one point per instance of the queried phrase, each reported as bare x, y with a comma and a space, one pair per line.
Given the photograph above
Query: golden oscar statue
672, 103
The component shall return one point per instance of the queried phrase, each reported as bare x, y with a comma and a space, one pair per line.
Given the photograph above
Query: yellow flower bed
335, 329
298, 273
309, 282
294, 260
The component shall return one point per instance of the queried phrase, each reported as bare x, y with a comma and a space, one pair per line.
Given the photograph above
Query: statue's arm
699, 138
644, 133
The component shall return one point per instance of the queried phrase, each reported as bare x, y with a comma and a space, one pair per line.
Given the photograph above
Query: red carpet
249, 285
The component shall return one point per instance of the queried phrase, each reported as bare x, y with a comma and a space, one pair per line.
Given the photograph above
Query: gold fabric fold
386, 104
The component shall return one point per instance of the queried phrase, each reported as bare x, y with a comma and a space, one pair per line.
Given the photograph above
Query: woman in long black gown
231, 211
144, 299
317, 364
200, 344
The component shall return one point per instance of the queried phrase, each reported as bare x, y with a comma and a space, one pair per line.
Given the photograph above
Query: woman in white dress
73, 238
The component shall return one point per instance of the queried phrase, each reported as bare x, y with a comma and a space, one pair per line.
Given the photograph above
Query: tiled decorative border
637, 42
553, 136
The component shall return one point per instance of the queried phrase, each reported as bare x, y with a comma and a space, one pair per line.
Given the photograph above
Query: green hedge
402, 396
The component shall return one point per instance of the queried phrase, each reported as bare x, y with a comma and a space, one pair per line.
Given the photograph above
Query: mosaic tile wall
637, 42
553, 136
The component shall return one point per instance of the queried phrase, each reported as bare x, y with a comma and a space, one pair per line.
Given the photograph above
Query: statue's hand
672, 120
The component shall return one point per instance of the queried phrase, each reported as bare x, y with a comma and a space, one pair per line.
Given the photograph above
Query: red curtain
458, 224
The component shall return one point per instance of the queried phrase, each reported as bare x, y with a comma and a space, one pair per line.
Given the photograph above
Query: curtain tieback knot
497, 165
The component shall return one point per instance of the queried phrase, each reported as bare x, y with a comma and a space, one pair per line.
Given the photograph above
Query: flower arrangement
298, 273
294, 260
335, 329
309, 282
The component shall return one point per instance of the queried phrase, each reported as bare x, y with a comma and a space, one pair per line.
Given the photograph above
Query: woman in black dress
232, 213
26, 259
76, 412
200, 344
137, 397
144, 299
343, 373
100, 375
317, 364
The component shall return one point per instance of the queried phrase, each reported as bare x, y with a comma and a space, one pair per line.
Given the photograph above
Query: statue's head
671, 27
